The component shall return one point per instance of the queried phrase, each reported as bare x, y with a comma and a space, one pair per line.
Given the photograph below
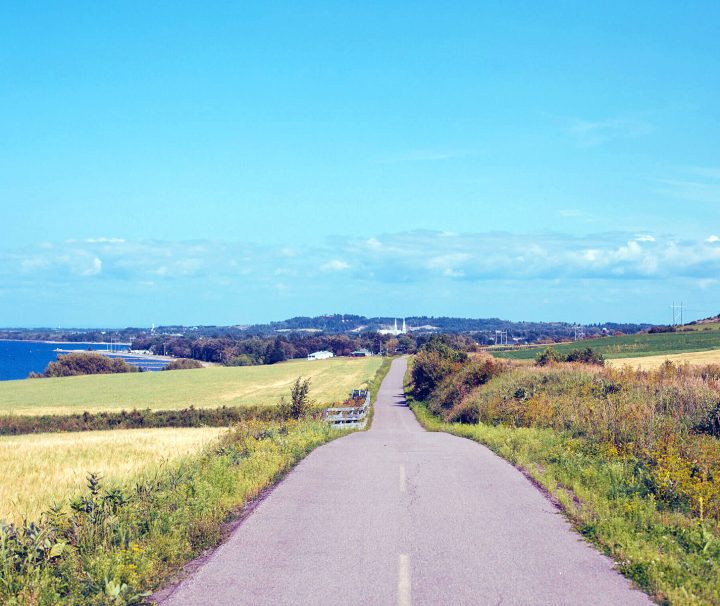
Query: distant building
320, 355
394, 331
361, 353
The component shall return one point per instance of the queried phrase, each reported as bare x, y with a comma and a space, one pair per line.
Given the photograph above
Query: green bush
86, 363
183, 364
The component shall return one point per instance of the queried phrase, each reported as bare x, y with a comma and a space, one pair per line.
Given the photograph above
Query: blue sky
229, 163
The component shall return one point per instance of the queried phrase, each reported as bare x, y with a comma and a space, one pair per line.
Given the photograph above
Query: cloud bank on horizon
421, 271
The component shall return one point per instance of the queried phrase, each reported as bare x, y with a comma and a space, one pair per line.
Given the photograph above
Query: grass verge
117, 544
672, 557
374, 387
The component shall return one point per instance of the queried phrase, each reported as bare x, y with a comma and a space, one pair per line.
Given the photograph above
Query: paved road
398, 516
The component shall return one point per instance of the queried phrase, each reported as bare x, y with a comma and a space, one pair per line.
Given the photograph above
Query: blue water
20, 358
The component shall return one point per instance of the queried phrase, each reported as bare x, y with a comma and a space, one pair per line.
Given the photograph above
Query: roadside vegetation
155, 498
632, 457
114, 544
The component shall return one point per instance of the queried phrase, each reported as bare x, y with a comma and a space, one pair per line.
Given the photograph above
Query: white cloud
403, 257
335, 265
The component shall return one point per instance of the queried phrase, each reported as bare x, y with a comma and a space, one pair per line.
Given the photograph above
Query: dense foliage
86, 363
183, 364
135, 419
584, 356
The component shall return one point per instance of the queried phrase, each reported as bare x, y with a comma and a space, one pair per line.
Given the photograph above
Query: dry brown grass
695, 358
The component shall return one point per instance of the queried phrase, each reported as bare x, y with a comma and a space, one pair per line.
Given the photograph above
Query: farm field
653, 362
40, 469
332, 380
633, 346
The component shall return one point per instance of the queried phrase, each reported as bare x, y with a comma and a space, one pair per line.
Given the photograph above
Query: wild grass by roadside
116, 544
669, 555
633, 457
374, 386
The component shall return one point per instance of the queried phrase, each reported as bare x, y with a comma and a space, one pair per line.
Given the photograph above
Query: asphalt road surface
399, 516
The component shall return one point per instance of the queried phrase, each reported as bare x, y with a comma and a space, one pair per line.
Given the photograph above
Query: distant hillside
482, 329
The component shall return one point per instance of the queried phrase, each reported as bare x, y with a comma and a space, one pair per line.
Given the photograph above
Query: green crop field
633, 346
332, 380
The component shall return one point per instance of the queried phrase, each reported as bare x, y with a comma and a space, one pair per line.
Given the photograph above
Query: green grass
332, 380
673, 558
632, 346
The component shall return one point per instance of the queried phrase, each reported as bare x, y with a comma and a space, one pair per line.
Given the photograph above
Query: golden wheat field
699, 358
39, 469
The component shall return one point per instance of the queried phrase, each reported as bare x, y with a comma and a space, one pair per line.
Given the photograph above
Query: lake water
20, 358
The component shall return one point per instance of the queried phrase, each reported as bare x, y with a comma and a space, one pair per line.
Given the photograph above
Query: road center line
403, 486
404, 581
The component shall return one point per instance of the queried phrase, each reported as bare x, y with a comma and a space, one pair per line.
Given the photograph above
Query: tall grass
117, 544
673, 557
38, 470
633, 457
668, 418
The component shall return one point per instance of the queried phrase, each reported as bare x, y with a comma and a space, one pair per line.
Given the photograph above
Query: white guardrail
350, 417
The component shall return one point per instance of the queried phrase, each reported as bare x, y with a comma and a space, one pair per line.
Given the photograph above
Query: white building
320, 355
395, 331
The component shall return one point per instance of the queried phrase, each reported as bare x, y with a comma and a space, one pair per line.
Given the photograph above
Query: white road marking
403, 486
404, 581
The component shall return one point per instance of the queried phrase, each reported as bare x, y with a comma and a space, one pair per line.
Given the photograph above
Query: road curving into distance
399, 516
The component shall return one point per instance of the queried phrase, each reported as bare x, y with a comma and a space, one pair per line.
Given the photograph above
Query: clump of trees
85, 363
183, 364
584, 356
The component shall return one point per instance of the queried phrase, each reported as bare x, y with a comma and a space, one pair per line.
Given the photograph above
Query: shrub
87, 363
432, 364
549, 356
183, 364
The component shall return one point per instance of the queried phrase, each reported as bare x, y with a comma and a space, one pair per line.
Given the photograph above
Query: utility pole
677, 312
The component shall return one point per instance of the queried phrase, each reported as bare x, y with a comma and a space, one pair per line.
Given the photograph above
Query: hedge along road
398, 516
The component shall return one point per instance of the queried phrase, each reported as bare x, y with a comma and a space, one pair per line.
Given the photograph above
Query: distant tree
242, 360
183, 364
661, 329
277, 353
87, 363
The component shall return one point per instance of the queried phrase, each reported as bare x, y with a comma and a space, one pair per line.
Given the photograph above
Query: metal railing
350, 417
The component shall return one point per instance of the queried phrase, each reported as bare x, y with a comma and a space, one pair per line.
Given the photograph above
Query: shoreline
63, 342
